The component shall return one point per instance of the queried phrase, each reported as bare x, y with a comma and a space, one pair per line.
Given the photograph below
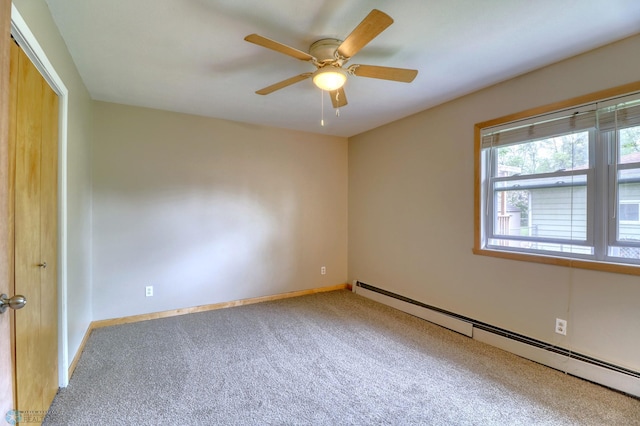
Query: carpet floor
328, 359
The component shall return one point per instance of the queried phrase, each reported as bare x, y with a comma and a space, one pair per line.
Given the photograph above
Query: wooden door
6, 365
33, 159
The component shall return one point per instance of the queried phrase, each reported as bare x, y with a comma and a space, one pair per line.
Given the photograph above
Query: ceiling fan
330, 55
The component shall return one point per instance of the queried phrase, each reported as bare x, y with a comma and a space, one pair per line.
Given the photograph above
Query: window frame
599, 261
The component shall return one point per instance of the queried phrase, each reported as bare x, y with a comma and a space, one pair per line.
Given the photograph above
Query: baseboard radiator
583, 366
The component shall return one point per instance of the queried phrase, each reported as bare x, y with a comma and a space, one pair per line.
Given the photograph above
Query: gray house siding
559, 213
629, 229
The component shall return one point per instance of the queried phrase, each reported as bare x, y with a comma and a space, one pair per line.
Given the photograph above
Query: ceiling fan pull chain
321, 107
337, 103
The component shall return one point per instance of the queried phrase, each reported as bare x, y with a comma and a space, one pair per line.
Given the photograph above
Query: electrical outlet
323, 270
561, 326
149, 291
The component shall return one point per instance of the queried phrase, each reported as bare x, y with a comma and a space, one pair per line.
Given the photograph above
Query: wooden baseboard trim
204, 308
76, 358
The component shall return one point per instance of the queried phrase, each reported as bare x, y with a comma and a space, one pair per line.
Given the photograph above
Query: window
562, 187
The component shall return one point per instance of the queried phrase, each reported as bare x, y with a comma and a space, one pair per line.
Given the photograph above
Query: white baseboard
602, 375
598, 374
452, 323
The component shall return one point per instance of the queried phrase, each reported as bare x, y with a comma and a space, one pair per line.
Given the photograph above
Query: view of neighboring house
553, 208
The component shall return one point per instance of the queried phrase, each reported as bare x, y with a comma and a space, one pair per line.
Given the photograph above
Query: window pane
512, 213
629, 147
542, 212
628, 217
567, 152
630, 254
628, 195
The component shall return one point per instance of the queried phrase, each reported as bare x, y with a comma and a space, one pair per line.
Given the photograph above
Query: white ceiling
189, 55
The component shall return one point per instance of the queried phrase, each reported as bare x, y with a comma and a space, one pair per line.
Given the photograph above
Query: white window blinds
616, 113
542, 128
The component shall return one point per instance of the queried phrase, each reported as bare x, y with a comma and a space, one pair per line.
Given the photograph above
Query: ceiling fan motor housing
324, 50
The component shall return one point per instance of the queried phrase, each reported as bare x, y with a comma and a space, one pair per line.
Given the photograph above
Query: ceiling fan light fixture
329, 78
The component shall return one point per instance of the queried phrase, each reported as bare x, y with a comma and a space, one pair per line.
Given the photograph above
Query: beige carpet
327, 359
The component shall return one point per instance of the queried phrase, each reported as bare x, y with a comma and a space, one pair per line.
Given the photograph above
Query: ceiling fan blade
372, 25
338, 98
386, 73
278, 47
284, 83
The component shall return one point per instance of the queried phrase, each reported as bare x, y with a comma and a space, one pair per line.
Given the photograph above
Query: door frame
27, 41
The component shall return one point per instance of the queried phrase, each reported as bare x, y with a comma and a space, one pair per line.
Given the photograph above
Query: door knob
43, 265
16, 302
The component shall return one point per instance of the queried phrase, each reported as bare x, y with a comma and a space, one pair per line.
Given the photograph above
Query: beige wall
209, 210
411, 219
36, 15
